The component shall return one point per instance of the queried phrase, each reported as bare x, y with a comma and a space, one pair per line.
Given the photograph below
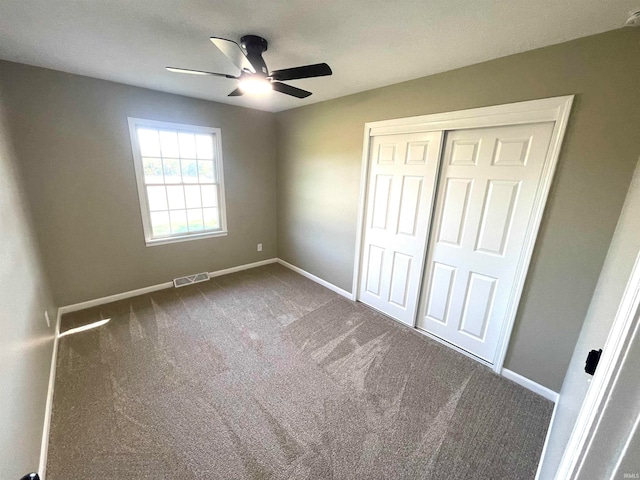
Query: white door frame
603, 385
554, 109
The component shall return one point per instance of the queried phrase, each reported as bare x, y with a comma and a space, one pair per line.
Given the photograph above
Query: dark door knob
31, 476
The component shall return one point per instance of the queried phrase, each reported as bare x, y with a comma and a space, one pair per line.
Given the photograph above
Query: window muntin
180, 180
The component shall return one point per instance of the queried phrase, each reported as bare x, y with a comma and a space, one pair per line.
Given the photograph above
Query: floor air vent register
190, 279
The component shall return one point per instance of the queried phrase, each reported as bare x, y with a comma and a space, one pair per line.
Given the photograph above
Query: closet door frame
554, 109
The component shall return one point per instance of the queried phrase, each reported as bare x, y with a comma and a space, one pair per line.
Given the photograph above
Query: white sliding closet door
486, 197
401, 185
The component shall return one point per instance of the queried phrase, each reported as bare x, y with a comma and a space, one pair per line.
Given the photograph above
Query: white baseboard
114, 298
531, 385
322, 282
239, 268
44, 446
154, 288
546, 442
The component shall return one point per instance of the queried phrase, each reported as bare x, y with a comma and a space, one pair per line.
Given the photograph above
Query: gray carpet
263, 374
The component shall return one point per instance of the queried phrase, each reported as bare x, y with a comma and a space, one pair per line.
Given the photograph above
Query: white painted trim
546, 440
113, 298
362, 210
626, 322
531, 385
142, 193
625, 449
554, 109
154, 288
318, 280
531, 111
44, 446
185, 238
239, 268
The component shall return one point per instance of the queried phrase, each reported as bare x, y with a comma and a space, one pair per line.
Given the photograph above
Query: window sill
184, 238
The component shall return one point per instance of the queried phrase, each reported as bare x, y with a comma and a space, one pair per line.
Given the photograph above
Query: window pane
205, 170
160, 223
175, 195
171, 170
187, 145
149, 142
204, 146
192, 194
152, 170
189, 171
169, 144
183, 191
209, 195
157, 198
179, 221
195, 219
211, 218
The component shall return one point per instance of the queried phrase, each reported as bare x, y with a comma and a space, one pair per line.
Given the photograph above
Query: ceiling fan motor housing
255, 45
254, 42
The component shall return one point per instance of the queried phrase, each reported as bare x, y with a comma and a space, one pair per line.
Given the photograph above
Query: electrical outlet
259, 247
46, 317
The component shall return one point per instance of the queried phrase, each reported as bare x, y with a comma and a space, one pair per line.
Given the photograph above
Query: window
180, 180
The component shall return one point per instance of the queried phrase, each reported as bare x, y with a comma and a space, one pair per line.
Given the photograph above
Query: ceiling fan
254, 76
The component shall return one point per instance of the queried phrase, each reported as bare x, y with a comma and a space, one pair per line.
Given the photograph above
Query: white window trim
134, 123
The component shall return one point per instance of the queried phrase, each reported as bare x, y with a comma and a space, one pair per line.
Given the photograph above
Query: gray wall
319, 159
617, 268
72, 138
26, 342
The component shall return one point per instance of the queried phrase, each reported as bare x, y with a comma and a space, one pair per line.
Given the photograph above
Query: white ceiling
368, 43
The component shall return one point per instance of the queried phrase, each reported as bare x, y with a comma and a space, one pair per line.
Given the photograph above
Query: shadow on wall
26, 342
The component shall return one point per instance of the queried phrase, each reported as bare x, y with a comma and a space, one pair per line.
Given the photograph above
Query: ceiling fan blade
236, 93
199, 72
307, 71
289, 90
234, 53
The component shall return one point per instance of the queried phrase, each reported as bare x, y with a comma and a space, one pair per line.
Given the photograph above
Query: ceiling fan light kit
255, 86
255, 77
